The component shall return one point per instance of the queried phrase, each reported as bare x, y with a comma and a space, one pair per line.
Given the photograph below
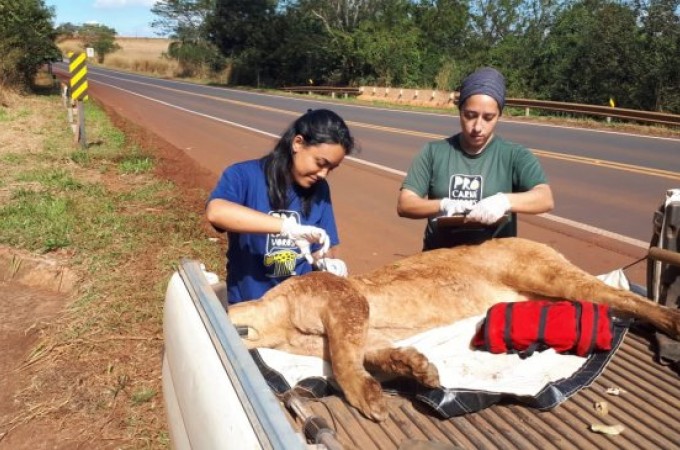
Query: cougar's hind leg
403, 361
662, 318
346, 323
558, 278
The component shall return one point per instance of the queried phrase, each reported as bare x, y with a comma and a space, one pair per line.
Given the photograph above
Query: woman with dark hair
277, 210
474, 174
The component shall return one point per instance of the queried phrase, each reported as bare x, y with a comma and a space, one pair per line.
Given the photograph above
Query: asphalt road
602, 179
607, 185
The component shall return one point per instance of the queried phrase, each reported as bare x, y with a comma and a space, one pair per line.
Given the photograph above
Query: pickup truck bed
648, 407
216, 398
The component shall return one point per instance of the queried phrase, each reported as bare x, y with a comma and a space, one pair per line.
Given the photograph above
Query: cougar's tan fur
352, 322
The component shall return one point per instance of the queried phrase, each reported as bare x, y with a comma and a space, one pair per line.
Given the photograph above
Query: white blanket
459, 366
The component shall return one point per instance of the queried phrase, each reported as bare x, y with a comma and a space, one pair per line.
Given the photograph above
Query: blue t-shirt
257, 262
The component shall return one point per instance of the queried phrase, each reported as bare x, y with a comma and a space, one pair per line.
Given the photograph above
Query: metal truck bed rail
215, 394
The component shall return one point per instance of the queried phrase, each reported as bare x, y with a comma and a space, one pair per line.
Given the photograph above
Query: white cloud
122, 3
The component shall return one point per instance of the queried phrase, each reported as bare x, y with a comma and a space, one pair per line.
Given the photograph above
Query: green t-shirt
443, 169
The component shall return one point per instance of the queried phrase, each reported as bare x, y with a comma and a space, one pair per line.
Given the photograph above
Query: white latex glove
449, 207
334, 266
489, 210
304, 236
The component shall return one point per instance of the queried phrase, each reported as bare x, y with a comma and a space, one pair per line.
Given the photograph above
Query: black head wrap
486, 81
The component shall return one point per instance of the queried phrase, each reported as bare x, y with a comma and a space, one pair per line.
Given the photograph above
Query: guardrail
576, 108
597, 110
326, 90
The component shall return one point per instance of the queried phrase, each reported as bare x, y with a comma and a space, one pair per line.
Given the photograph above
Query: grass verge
95, 375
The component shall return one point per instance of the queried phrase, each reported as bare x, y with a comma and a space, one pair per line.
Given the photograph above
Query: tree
67, 30
298, 51
518, 55
26, 40
101, 38
591, 54
390, 45
242, 31
183, 20
343, 15
239, 25
339, 34
659, 86
444, 26
493, 20
196, 58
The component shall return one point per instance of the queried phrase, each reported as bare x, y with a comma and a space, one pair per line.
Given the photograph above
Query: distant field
148, 48
140, 48
136, 54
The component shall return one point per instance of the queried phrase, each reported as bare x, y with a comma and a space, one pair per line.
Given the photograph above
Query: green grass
135, 164
51, 179
13, 159
124, 231
36, 220
8, 115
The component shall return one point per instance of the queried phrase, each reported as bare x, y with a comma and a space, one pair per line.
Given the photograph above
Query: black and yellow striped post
78, 89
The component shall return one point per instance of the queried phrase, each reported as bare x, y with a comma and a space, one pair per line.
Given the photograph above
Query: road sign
78, 69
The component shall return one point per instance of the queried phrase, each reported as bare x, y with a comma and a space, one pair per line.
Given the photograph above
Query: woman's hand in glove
489, 210
304, 236
334, 266
449, 207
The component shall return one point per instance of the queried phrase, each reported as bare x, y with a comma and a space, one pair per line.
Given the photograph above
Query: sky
130, 18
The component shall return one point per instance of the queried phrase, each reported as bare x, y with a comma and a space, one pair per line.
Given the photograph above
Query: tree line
585, 51
28, 40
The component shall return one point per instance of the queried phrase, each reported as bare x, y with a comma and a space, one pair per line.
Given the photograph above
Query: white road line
597, 231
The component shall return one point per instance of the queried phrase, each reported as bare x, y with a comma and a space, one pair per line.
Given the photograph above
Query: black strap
593, 334
542, 324
275, 379
539, 344
578, 316
507, 329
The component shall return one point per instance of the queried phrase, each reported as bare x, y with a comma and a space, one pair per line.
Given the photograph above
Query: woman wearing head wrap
277, 210
474, 174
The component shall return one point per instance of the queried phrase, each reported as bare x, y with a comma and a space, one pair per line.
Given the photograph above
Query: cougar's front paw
366, 395
418, 365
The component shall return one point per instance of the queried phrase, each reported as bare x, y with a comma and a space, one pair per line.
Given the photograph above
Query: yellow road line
609, 164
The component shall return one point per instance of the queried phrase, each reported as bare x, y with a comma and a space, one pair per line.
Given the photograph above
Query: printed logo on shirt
467, 188
281, 253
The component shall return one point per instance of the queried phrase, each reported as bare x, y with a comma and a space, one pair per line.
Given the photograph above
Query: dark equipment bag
663, 278
535, 325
